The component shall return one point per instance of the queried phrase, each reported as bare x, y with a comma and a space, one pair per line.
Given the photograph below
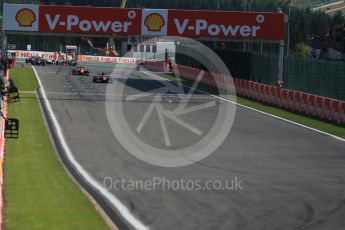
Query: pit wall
300, 102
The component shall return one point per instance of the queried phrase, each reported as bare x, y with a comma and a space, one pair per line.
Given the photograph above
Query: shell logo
154, 22
25, 17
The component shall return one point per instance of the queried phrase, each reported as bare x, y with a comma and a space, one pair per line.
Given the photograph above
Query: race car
101, 78
80, 71
38, 61
65, 62
30, 59
50, 61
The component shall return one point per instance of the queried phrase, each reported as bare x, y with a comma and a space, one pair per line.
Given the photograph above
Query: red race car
80, 71
101, 78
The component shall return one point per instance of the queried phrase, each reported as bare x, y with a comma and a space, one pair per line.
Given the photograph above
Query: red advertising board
220, 24
90, 20
144, 22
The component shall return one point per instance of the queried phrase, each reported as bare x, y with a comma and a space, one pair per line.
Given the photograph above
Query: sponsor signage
26, 54
143, 22
189, 23
102, 59
23, 54
21, 17
154, 22
89, 20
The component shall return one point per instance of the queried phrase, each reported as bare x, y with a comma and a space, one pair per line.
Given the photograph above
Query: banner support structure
281, 61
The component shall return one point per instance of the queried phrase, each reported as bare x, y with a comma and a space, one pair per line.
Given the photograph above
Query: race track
292, 177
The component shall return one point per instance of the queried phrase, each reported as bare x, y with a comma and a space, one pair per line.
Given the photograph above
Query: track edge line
256, 110
81, 175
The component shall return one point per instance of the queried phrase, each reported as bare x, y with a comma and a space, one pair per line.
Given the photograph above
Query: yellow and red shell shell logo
154, 22
25, 17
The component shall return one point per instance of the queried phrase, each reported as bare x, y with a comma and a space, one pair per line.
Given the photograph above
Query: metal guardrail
333, 3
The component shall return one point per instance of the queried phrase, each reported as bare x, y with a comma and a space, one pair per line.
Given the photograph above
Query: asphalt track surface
292, 177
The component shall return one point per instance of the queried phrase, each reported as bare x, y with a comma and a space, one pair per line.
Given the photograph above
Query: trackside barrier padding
313, 105
156, 66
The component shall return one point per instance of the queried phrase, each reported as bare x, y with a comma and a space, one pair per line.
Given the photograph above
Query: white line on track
252, 109
121, 208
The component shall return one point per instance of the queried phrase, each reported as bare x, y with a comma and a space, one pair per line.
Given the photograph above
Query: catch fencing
319, 77
316, 106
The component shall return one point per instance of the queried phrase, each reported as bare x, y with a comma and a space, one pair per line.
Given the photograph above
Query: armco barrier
313, 105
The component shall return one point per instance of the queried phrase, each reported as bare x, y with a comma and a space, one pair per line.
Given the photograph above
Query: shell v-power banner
145, 22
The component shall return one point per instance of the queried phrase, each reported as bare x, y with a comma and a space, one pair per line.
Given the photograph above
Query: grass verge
325, 126
38, 192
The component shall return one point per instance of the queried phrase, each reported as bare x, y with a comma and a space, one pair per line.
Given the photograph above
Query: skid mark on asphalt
68, 115
91, 115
